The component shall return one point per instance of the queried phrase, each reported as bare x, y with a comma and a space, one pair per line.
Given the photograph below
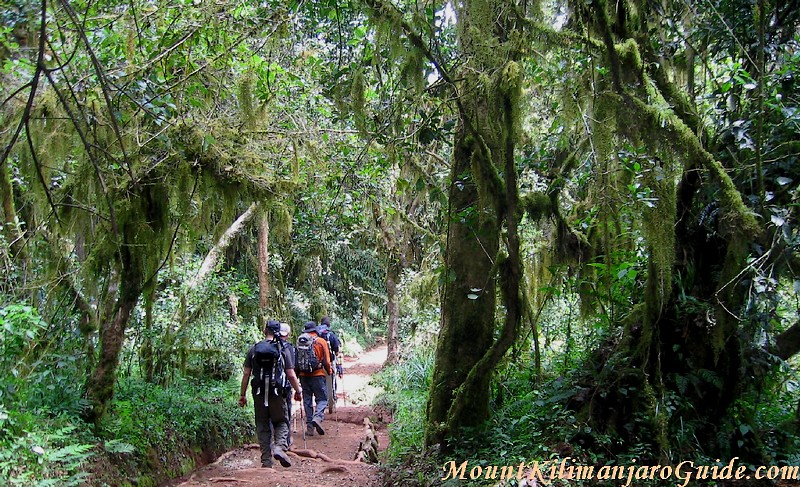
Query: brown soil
318, 461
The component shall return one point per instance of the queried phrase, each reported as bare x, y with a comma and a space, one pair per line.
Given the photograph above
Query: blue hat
310, 326
322, 328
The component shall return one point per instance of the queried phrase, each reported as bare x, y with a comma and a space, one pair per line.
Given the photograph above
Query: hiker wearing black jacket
333, 342
269, 402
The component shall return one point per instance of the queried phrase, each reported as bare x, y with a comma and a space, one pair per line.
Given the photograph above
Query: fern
70, 455
72, 481
682, 383
711, 377
118, 446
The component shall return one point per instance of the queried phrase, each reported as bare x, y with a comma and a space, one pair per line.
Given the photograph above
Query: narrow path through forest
318, 461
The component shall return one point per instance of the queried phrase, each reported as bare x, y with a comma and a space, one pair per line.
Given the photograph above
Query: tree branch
787, 344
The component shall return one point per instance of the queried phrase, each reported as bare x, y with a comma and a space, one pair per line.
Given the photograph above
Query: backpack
306, 359
328, 336
269, 369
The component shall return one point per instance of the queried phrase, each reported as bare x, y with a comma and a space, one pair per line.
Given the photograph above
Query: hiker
271, 365
314, 362
285, 336
334, 343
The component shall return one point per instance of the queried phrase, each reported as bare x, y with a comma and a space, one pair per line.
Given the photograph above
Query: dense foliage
573, 222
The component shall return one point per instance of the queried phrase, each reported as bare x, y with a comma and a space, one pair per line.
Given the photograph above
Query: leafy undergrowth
533, 421
152, 435
406, 393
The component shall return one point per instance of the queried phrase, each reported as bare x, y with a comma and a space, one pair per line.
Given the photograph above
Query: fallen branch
315, 455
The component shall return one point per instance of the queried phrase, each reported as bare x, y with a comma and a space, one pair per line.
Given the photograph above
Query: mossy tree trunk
263, 266
100, 386
146, 351
11, 228
686, 339
483, 198
469, 297
393, 270
396, 236
365, 312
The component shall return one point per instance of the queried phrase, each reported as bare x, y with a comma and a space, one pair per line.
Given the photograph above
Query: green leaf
118, 446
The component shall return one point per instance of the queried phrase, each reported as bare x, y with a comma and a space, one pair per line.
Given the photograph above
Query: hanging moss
511, 87
245, 96
537, 205
659, 228
413, 70
281, 222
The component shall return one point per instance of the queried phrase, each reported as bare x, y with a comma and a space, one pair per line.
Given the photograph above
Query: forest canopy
579, 214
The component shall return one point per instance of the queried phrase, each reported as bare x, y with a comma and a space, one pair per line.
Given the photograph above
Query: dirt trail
344, 430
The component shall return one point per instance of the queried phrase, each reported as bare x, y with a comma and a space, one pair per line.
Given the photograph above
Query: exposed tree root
313, 454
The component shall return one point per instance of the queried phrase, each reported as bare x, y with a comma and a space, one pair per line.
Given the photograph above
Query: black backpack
269, 369
328, 337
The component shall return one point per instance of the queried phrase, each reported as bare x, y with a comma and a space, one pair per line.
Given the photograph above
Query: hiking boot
318, 427
281, 456
310, 431
266, 463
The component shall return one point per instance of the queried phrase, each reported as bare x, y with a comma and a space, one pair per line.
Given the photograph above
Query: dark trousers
314, 391
272, 427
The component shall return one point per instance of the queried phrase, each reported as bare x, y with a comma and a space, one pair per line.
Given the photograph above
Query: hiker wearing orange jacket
315, 400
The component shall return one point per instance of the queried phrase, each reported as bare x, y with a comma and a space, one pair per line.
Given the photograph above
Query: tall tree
263, 266
482, 198
690, 334
103, 132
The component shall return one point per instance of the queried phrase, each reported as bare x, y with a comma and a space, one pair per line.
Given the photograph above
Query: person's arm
243, 390
298, 390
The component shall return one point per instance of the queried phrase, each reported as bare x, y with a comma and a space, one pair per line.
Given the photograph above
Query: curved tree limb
208, 265
787, 344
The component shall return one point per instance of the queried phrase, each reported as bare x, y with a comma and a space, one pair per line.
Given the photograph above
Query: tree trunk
263, 267
468, 302
100, 386
11, 222
146, 352
211, 259
787, 344
393, 270
480, 200
365, 312
671, 349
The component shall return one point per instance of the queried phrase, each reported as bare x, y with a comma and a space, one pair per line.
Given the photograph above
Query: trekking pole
335, 400
303, 426
294, 418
